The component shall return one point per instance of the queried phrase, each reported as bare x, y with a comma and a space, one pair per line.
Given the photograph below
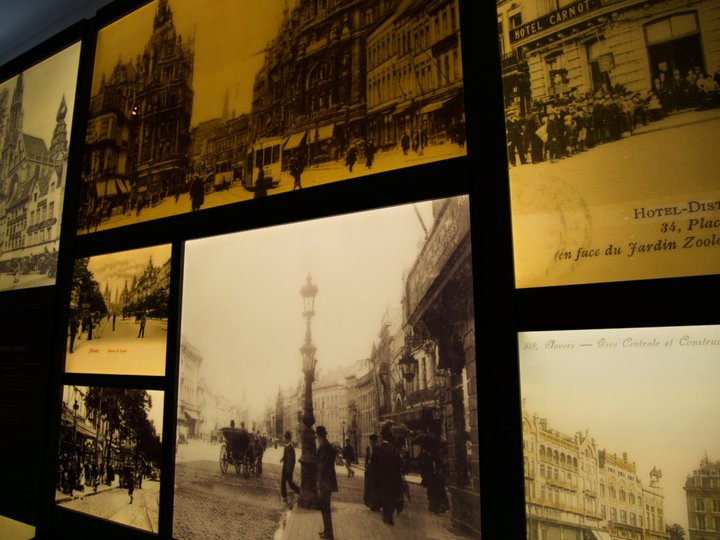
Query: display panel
108, 464
612, 114
118, 318
193, 107
619, 432
36, 112
372, 314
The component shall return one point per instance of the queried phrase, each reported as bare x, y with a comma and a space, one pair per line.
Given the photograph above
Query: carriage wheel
223, 459
247, 463
238, 466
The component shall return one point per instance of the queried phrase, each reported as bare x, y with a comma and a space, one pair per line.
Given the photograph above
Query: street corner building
702, 490
556, 49
575, 489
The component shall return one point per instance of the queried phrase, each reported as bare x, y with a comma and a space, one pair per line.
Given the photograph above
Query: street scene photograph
109, 454
327, 380
118, 317
619, 440
193, 108
36, 112
612, 113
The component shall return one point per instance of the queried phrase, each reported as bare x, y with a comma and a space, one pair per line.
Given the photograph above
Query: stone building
188, 415
415, 79
573, 489
702, 491
439, 308
32, 178
555, 48
312, 86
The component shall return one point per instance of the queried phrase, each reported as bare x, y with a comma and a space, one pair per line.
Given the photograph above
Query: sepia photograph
612, 116
109, 454
36, 112
327, 380
619, 433
118, 318
194, 108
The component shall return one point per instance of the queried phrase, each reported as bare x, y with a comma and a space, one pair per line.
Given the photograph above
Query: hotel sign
555, 18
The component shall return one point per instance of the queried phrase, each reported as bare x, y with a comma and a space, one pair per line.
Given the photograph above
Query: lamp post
308, 457
75, 410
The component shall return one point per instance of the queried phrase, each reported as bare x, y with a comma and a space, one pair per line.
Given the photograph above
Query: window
716, 505
700, 522
699, 504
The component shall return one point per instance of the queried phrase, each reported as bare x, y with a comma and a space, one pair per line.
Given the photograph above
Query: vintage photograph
612, 113
109, 454
194, 108
619, 433
36, 111
327, 380
119, 313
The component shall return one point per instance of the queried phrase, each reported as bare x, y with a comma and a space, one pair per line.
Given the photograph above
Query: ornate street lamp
308, 457
408, 366
75, 410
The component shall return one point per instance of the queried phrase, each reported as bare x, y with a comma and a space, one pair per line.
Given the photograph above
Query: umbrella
428, 441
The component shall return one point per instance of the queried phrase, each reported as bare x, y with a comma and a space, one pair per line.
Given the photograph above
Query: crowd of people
577, 122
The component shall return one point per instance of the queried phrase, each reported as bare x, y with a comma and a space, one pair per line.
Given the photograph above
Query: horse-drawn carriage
241, 449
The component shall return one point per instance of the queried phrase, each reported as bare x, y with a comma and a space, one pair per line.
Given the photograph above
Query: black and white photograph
109, 454
118, 317
194, 108
36, 111
612, 117
619, 433
327, 380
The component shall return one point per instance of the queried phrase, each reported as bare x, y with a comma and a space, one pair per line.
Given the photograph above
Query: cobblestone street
209, 505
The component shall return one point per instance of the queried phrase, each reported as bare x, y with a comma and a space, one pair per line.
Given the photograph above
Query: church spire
59, 143
16, 112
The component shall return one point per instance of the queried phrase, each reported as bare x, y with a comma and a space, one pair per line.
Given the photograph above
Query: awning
28, 251
85, 430
111, 188
322, 133
295, 140
600, 535
434, 106
190, 414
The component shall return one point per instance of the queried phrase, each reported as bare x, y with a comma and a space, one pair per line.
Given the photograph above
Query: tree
675, 531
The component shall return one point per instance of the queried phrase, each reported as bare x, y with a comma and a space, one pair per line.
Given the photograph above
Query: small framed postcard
109, 456
36, 112
119, 313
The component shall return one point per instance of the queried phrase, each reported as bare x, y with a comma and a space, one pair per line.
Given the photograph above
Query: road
312, 176
209, 505
592, 199
120, 351
114, 505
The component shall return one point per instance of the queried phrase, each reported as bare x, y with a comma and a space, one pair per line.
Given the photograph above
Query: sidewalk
679, 119
353, 521
61, 497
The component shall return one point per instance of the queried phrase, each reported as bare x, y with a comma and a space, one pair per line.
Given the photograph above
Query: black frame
501, 310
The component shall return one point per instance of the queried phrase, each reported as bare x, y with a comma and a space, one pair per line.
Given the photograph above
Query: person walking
405, 143
143, 321
296, 169
327, 481
389, 477
130, 481
369, 153
370, 493
197, 193
351, 157
348, 455
288, 467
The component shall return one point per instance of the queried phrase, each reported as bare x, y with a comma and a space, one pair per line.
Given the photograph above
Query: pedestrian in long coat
327, 481
351, 157
130, 480
370, 489
369, 154
389, 479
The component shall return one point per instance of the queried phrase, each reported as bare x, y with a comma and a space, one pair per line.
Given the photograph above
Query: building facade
702, 491
553, 49
574, 489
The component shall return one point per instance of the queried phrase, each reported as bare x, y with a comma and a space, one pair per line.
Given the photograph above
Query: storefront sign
452, 227
552, 19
